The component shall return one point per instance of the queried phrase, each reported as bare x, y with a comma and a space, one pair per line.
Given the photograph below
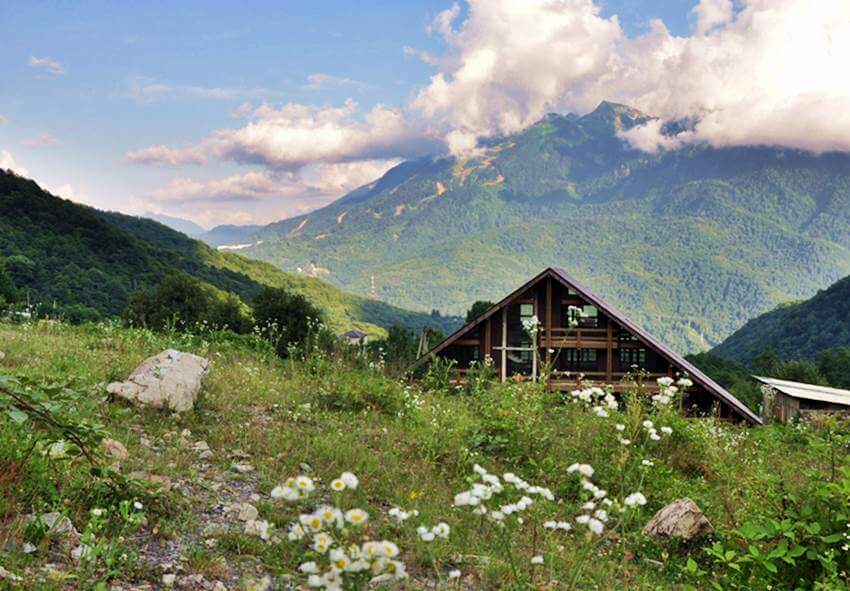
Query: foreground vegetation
777, 496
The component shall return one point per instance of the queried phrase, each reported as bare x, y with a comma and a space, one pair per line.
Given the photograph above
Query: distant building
579, 336
785, 400
355, 337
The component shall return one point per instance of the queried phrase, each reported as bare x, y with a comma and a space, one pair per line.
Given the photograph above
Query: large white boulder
170, 380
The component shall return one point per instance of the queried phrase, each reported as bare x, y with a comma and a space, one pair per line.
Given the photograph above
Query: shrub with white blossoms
337, 551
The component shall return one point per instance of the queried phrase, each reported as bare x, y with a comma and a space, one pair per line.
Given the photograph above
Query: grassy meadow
777, 496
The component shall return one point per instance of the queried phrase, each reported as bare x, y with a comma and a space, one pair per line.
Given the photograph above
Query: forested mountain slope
800, 330
692, 242
86, 262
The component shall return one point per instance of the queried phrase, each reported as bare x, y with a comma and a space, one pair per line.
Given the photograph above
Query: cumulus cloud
7, 162
770, 72
47, 64
258, 196
296, 135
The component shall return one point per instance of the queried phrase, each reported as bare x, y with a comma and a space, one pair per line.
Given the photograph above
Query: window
586, 316
526, 311
579, 358
630, 357
626, 337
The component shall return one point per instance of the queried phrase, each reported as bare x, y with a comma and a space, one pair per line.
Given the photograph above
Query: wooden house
583, 340
785, 400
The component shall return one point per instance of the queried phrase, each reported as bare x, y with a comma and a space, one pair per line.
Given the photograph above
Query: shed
785, 400
354, 336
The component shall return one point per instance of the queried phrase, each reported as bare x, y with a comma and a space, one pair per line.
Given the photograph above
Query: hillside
217, 524
691, 243
799, 330
187, 227
85, 263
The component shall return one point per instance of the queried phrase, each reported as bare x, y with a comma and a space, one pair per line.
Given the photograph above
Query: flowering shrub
335, 545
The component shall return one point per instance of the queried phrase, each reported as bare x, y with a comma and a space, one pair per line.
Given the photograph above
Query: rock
242, 468
681, 519
257, 528
114, 449
162, 481
168, 580
202, 449
2, 356
245, 511
60, 530
214, 530
170, 380
219, 586
79, 552
239, 454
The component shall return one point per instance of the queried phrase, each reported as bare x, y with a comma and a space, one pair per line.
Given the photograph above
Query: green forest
77, 263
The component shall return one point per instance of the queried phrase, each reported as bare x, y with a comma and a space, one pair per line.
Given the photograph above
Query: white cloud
42, 140
146, 90
167, 155
3, 120
322, 81
47, 64
258, 196
770, 73
7, 162
296, 135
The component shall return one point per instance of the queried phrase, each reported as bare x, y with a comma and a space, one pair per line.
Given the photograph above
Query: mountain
86, 263
691, 242
188, 227
229, 235
800, 330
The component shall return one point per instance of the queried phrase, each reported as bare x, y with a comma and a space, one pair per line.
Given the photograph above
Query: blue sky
87, 83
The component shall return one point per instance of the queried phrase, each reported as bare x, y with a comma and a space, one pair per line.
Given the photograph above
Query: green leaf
18, 416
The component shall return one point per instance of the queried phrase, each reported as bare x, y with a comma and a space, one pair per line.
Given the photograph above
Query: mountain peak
614, 116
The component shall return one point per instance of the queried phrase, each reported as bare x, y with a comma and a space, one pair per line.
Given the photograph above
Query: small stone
239, 454
79, 552
168, 580
2, 356
214, 530
203, 450
186, 434
242, 468
258, 528
305, 467
114, 449
219, 586
255, 498
246, 511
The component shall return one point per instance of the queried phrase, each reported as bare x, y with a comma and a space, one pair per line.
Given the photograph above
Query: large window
632, 357
579, 359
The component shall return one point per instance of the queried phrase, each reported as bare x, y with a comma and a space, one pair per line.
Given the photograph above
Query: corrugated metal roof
672, 357
808, 391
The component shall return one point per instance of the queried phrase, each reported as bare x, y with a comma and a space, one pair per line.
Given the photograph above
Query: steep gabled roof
808, 391
671, 356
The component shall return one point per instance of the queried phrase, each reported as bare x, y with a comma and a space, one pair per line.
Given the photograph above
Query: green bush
287, 318
182, 302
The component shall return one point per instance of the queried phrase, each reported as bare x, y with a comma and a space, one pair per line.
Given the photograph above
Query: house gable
603, 348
